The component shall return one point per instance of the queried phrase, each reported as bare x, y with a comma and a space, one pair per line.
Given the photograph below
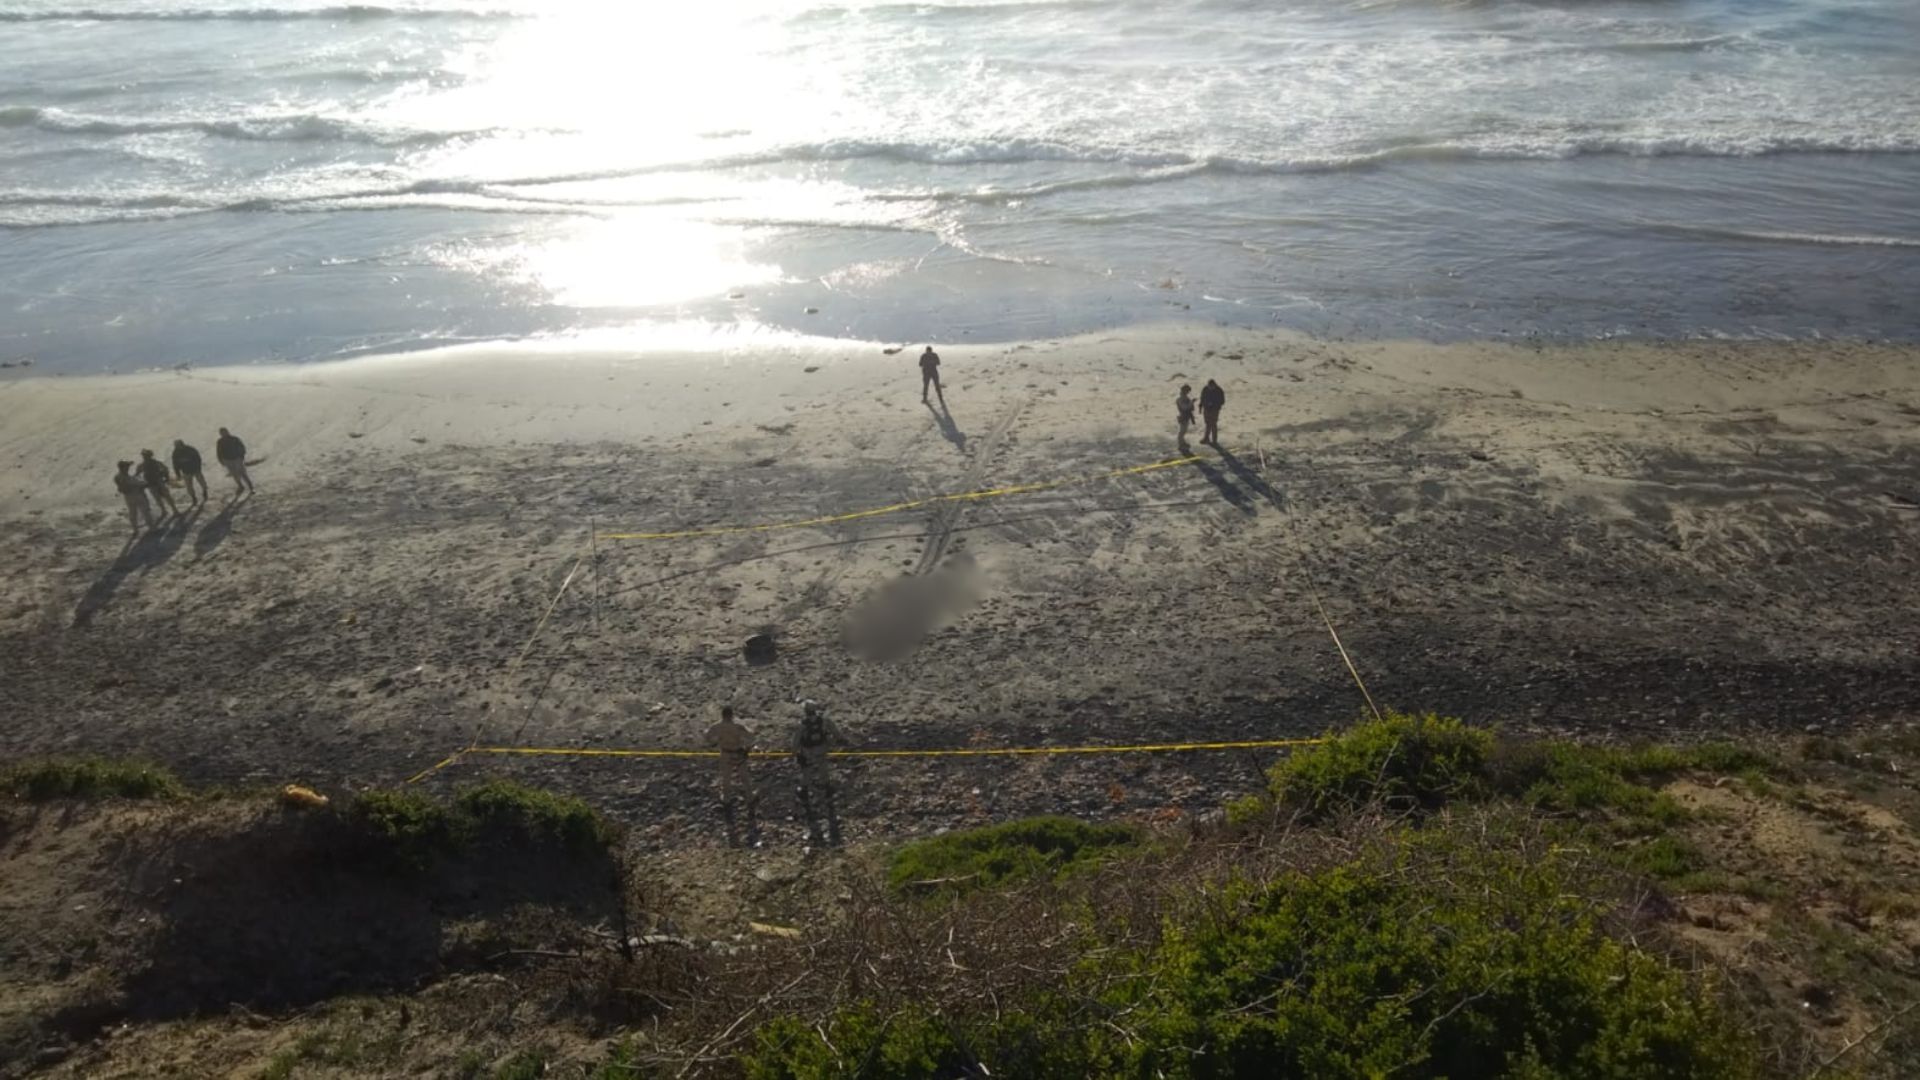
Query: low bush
534, 814
409, 826
1427, 956
861, 1042
1575, 778
89, 778
414, 828
1028, 849
1403, 761
1423, 763
1437, 961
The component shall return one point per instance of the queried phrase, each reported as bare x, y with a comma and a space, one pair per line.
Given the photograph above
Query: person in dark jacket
135, 492
157, 480
930, 375
811, 745
186, 469
233, 457
1211, 399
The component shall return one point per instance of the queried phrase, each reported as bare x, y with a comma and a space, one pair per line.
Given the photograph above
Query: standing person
135, 492
1211, 399
158, 481
811, 744
1183, 411
233, 454
186, 468
735, 743
930, 375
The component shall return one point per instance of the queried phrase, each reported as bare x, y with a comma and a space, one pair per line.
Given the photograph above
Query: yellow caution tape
964, 496
437, 766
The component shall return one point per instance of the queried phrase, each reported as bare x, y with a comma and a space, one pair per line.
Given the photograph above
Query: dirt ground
1662, 540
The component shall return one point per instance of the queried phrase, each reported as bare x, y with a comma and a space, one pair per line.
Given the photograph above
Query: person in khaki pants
233, 456
135, 493
735, 744
158, 480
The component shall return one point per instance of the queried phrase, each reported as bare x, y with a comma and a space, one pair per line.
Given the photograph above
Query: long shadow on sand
142, 553
1229, 490
216, 529
1254, 481
949, 430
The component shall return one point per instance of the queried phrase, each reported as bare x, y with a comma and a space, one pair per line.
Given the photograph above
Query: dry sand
1615, 538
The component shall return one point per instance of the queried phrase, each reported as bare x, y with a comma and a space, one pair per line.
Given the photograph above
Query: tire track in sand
948, 514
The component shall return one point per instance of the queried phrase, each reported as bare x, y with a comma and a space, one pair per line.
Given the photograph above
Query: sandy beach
1606, 538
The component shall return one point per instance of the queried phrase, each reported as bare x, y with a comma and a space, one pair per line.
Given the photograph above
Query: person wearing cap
157, 479
186, 469
135, 492
735, 744
811, 745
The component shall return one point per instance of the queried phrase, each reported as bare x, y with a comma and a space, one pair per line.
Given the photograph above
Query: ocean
232, 181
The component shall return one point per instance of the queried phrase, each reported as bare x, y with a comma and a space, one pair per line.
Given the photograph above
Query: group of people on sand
150, 482
812, 740
1212, 400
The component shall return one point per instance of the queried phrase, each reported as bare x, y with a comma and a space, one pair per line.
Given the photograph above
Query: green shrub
409, 826
1031, 848
622, 1063
1575, 778
506, 807
1667, 857
1430, 957
89, 778
1417, 762
1445, 963
859, 1043
522, 1065
414, 827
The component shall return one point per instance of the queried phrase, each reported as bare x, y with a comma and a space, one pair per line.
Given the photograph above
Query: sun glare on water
608, 107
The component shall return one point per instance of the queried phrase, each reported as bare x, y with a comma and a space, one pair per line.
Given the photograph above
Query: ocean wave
341, 13
1763, 236
1126, 169
1165, 165
293, 127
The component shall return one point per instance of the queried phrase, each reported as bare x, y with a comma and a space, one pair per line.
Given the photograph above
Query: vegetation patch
501, 807
1038, 848
1418, 763
1426, 956
89, 778
415, 827
1421, 764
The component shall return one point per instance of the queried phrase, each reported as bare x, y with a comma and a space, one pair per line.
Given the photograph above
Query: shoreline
1616, 538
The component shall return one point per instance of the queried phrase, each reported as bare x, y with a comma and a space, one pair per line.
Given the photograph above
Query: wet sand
1616, 538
